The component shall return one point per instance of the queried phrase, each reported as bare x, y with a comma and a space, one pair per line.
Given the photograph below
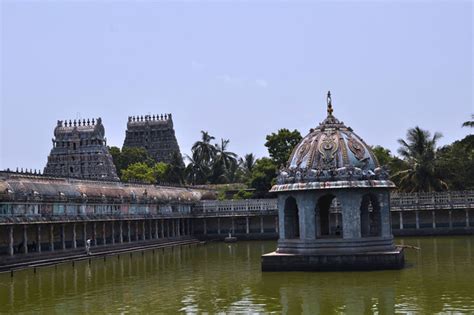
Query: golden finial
329, 101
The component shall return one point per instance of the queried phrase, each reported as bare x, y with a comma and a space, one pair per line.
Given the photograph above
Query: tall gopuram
80, 151
153, 133
333, 205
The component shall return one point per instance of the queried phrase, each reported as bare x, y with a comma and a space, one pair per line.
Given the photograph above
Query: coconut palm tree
469, 123
224, 162
247, 163
419, 151
203, 151
196, 171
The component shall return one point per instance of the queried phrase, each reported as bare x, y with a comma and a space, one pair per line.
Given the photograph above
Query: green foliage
393, 163
281, 144
263, 176
160, 171
419, 152
128, 156
469, 123
138, 172
455, 163
242, 194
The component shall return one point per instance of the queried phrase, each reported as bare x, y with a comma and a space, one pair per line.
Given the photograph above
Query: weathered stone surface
80, 151
153, 133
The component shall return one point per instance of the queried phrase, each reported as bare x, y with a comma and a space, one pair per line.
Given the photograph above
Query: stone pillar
261, 225
350, 202
168, 232
277, 225
218, 226
74, 242
401, 220
450, 213
385, 219
84, 233
25, 239
467, 217
247, 225
51, 237
10, 240
143, 230
63, 236
232, 224
281, 216
129, 232
205, 227
306, 213
120, 231
162, 228
94, 234
156, 229
136, 231
104, 236
417, 219
113, 232
38, 238
173, 228
150, 229
178, 227
433, 219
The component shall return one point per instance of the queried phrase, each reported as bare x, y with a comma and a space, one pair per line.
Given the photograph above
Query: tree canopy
281, 144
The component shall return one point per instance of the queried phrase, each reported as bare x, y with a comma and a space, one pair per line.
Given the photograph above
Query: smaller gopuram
80, 151
153, 133
333, 205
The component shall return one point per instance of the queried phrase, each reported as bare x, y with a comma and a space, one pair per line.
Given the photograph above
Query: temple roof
331, 152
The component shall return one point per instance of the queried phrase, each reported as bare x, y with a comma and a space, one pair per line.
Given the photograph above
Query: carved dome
332, 152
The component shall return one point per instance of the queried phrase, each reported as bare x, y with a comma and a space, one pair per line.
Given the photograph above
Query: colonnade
434, 220
25, 238
263, 226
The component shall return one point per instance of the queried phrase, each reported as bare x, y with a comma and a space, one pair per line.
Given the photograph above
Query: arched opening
291, 219
328, 217
370, 216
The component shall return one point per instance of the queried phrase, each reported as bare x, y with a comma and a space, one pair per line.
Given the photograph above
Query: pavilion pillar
104, 236
156, 229
450, 215
51, 237
113, 232
467, 217
277, 225
417, 219
433, 219
63, 236
120, 231
205, 227
162, 228
385, 220
261, 225
10, 240
350, 202
307, 221
247, 225
74, 242
25, 239
219, 226
136, 231
84, 233
38, 238
129, 232
94, 234
400, 214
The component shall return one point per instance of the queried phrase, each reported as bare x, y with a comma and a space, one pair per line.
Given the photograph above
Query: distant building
80, 151
153, 133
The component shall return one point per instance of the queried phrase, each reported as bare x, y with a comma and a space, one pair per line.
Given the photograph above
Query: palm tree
247, 163
196, 171
469, 123
419, 151
224, 161
203, 150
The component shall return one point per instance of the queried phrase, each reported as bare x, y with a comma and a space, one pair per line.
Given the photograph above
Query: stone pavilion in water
333, 205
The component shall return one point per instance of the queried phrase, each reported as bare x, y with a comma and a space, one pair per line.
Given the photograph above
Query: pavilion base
394, 259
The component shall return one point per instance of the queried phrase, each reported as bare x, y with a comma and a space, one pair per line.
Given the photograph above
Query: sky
237, 69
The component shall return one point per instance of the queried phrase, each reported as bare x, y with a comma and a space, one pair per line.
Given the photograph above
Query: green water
226, 278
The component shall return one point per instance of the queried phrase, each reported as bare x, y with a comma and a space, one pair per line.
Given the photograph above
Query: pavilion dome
332, 152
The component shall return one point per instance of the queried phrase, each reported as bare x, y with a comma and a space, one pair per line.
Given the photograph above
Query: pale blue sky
240, 70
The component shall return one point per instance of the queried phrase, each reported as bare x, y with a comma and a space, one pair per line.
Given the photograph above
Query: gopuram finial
329, 101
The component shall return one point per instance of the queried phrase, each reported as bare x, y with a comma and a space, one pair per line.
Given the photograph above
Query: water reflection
222, 277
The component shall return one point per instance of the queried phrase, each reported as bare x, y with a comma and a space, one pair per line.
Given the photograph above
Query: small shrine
333, 205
